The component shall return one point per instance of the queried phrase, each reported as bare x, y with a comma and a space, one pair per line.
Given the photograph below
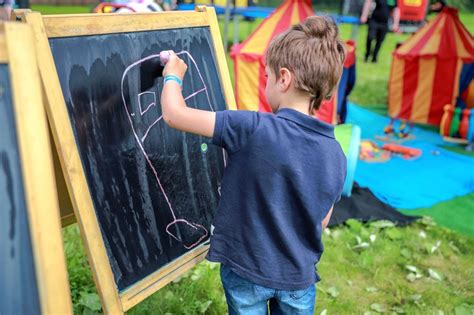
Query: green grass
365, 267
66, 9
456, 214
355, 280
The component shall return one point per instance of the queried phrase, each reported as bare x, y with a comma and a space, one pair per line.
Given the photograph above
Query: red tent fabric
433, 68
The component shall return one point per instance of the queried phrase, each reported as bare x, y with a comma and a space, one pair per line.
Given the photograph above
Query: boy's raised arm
175, 112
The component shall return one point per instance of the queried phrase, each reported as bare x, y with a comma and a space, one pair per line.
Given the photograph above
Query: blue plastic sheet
437, 175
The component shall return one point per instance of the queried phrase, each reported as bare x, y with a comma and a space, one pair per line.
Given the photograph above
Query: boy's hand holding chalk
175, 68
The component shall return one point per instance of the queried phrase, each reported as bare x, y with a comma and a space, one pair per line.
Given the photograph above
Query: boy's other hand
175, 66
396, 29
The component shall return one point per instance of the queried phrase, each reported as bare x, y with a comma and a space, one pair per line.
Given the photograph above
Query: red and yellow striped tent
432, 68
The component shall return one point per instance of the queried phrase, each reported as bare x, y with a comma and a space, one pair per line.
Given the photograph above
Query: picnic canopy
433, 68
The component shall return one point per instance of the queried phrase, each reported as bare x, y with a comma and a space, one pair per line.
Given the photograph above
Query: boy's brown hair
314, 53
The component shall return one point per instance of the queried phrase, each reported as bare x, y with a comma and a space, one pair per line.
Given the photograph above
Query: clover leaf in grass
406, 253
394, 234
436, 275
336, 234
212, 265
411, 277
90, 301
327, 231
422, 234
435, 247
415, 297
321, 289
454, 247
203, 306
382, 224
195, 277
378, 307
398, 309
427, 221
464, 309
361, 246
178, 279
354, 225
411, 268
333, 292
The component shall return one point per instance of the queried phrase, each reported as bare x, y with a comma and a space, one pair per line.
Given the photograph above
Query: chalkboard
33, 276
142, 174
144, 194
18, 281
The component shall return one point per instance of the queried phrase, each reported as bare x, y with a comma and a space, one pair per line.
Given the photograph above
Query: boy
284, 174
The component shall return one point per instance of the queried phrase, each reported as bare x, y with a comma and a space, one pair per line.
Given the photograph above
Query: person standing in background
6, 7
378, 24
437, 6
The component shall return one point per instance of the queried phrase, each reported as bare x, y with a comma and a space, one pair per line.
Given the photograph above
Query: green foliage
84, 293
419, 269
464, 5
456, 214
66, 9
197, 292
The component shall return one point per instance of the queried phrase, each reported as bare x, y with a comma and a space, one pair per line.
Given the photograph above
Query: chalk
165, 56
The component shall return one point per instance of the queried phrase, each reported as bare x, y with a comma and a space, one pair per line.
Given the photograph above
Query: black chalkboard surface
154, 189
18, 285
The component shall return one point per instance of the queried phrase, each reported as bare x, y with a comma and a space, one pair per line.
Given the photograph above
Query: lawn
372, 268
366, 269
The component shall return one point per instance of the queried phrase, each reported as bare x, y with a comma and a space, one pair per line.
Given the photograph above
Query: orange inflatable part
464, 127
408, 153
446, 120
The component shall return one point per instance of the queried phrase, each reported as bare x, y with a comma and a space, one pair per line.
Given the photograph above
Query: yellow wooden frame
18, 51
45, 27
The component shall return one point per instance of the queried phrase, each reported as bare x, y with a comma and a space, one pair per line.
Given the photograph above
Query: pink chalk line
140, 142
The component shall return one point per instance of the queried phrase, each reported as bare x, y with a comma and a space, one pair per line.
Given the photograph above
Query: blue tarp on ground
437, 175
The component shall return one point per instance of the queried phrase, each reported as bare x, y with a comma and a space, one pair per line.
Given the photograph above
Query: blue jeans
245, 297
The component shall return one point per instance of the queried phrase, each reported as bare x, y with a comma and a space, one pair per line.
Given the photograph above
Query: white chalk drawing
142, 112
199, 228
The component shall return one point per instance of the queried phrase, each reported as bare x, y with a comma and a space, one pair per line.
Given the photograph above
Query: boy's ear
284, 80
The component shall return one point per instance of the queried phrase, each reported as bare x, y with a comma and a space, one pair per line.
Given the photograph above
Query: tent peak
450, 10
308, 2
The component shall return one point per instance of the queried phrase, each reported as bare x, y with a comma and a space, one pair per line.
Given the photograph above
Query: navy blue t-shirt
284, 173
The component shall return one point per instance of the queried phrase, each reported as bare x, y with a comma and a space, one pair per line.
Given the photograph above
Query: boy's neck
295, 101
